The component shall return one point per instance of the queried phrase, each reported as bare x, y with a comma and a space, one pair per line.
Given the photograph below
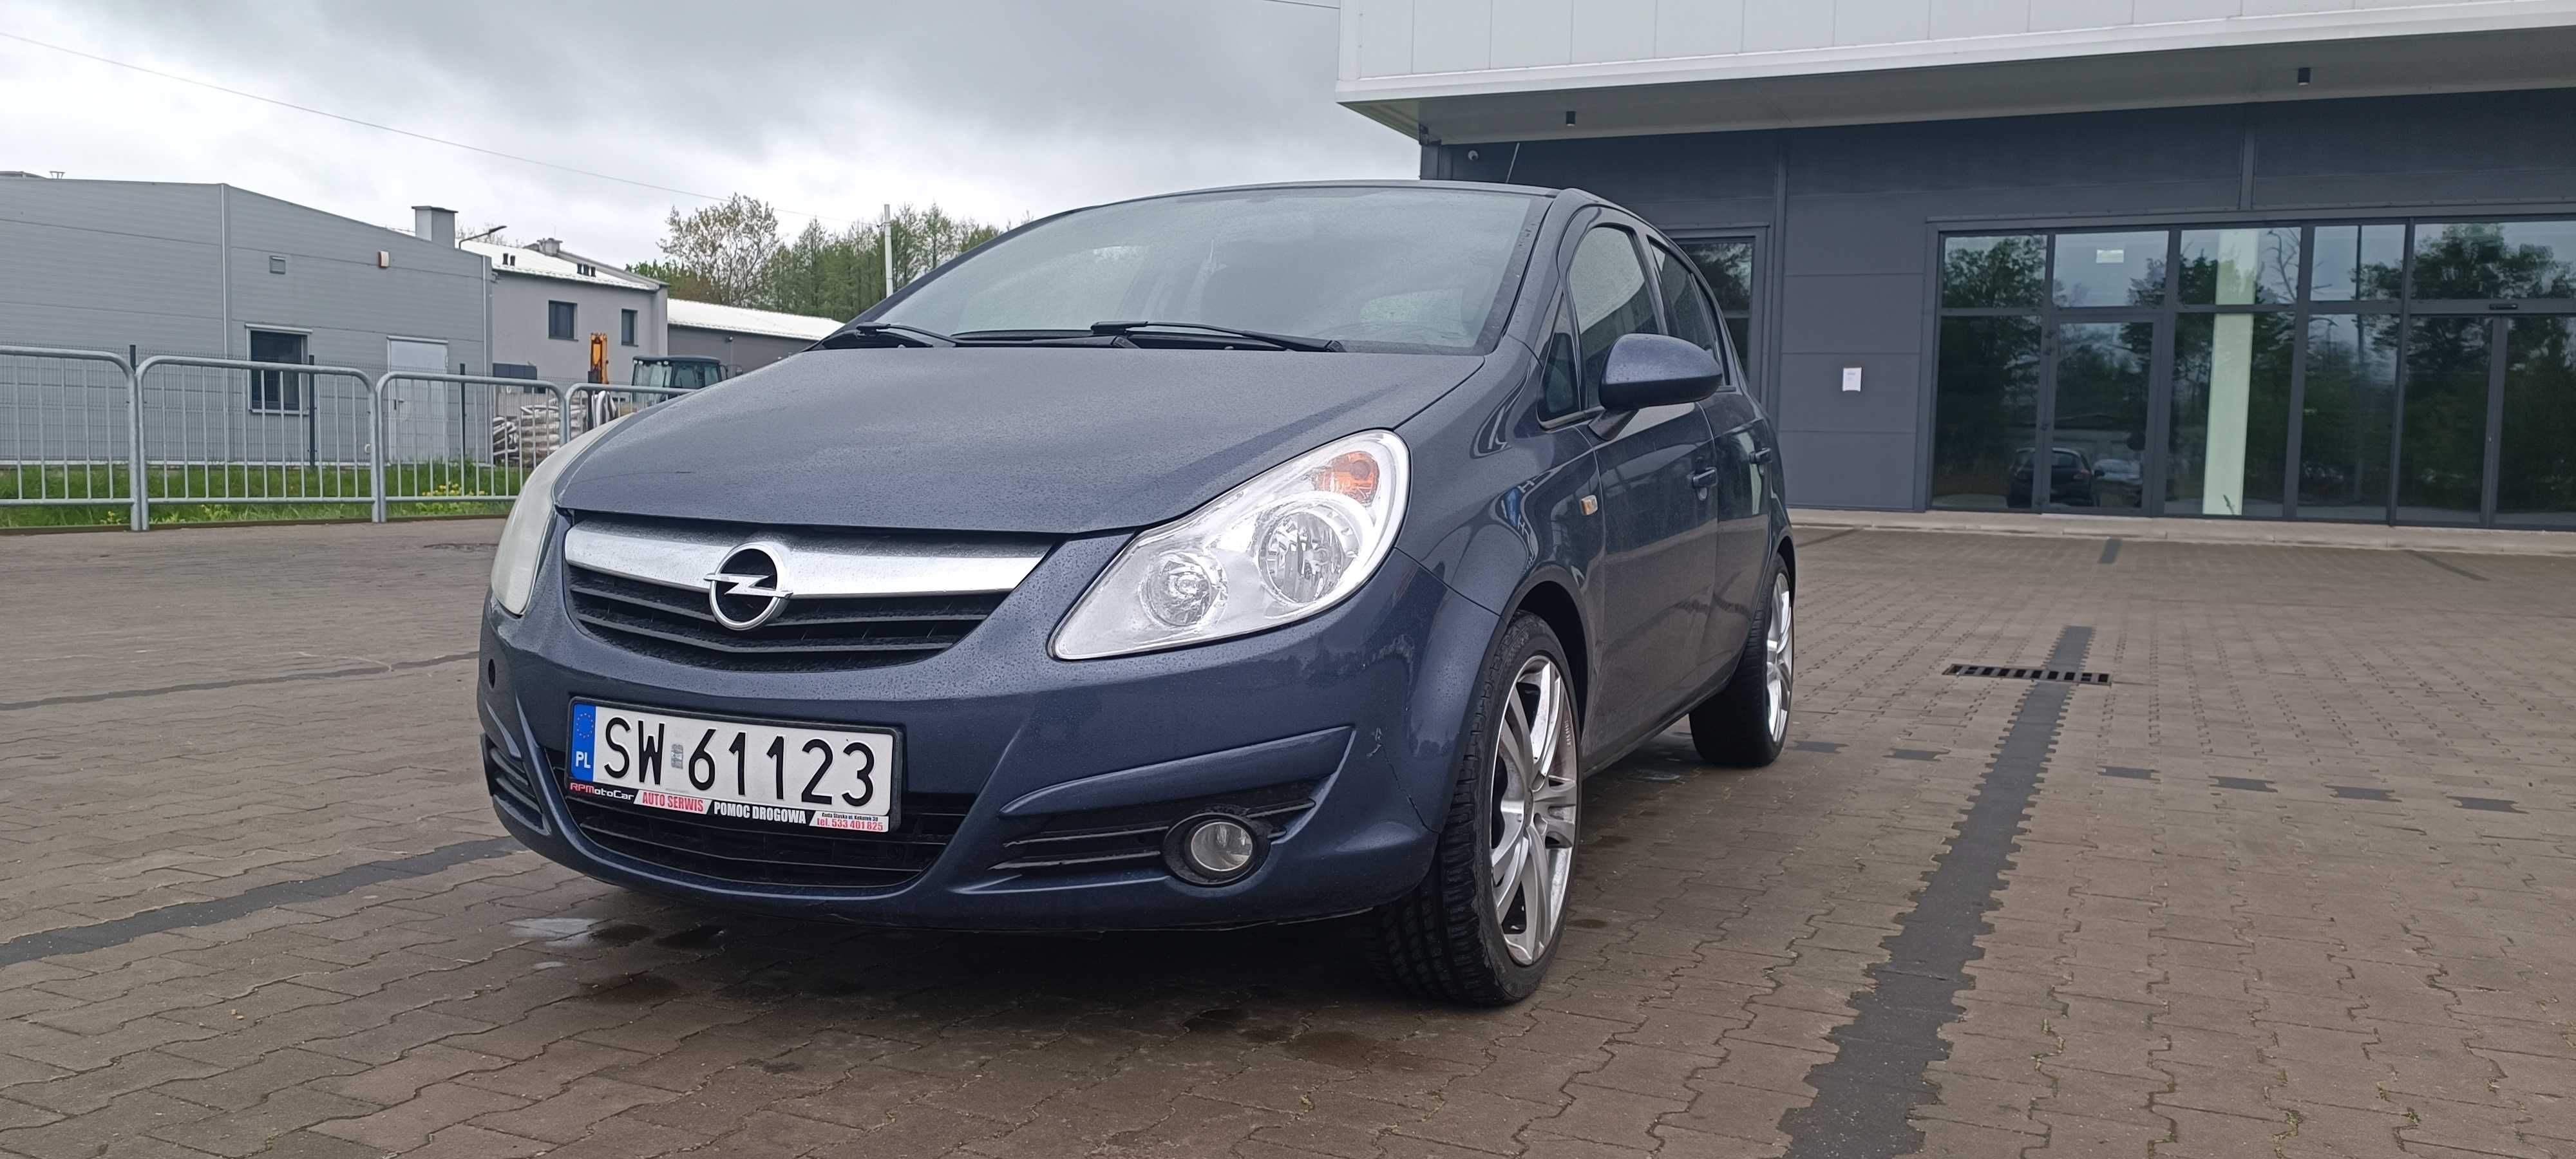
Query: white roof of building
741, 320
512, 259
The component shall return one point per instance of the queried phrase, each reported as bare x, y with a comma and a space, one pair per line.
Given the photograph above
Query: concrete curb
2362, 536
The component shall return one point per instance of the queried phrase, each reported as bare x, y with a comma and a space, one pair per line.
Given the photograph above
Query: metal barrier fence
230, 431
86, 429
71, 436
463, 438
594, 403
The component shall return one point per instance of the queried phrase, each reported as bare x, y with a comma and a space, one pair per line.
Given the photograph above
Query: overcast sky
995, 109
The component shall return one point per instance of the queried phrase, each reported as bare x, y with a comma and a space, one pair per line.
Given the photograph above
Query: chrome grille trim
811, 565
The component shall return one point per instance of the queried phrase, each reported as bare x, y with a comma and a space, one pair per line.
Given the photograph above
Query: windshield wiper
894, 331
1282, 341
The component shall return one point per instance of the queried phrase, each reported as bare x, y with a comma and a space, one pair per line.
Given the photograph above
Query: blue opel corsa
1244, 556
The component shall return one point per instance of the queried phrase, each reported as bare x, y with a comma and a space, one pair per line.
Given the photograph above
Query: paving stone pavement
2299, 882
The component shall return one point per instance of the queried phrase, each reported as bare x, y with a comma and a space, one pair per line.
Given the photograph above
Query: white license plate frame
670, 785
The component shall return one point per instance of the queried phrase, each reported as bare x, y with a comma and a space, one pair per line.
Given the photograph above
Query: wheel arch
1550, 599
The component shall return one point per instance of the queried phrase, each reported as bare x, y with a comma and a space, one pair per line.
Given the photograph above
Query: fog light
1215, 849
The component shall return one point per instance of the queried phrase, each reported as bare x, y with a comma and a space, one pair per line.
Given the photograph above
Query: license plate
820, 778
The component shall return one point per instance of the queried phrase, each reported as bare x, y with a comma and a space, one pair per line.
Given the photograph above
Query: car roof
1357, 183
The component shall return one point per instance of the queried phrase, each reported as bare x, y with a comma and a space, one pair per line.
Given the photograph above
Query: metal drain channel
2011, 672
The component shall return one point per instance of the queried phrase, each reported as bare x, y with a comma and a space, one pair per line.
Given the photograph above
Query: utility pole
887, 232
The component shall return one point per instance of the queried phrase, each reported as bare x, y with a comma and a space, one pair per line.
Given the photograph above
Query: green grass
210, 494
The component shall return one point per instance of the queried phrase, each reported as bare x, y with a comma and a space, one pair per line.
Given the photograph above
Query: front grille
809, 635
1097, 839
752, 853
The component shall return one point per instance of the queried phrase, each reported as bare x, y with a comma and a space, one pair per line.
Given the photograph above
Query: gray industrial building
169, 268
547, 301
147, 268
2226, 258
742, 339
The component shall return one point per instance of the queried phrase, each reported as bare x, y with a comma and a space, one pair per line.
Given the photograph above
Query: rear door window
1687, 310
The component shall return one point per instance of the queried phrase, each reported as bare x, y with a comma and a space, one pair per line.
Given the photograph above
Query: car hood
1056, 441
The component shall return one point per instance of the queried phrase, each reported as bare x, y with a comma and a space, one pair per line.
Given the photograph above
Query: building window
509, 259
277, 391
1727, 263
586, 269
1686, 307
2409, 372
559, 320
626, 327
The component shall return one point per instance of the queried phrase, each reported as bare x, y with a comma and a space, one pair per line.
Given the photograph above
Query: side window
1611, 297
1692, 317
1562, 378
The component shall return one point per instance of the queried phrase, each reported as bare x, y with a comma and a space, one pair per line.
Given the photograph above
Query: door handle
1703, 478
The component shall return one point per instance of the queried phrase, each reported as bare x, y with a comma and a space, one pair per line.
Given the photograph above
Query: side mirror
1655, 370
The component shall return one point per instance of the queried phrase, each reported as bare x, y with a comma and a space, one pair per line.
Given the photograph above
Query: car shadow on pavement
630, 949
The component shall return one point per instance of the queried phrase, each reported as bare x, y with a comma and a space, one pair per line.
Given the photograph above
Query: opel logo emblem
744, 591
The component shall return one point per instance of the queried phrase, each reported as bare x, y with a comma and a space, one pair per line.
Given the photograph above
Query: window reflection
1991, 272
2110, 269
2358, 263
2492, 259
2238, 332
2230, 441
2441, 459
2345, 423
1988, 410
1728, 265
2100, 440
2536, 481
2240, 267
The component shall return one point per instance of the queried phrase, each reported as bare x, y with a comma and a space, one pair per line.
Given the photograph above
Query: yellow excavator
661, 372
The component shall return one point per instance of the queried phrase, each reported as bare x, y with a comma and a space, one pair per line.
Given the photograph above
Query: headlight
523, 537
1287, 544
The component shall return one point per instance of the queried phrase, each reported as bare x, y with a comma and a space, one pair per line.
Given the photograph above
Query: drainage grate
2010, 672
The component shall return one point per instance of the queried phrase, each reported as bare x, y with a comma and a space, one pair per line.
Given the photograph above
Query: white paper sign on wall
1851, 379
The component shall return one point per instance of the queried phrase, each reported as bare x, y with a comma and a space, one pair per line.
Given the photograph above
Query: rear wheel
1747, 722
1483, 924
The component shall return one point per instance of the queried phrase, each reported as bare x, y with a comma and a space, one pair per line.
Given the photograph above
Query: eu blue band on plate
584, 717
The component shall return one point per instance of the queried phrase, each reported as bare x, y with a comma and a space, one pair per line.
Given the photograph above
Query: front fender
1510, 499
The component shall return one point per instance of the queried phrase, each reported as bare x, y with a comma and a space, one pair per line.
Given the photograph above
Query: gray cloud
994, 107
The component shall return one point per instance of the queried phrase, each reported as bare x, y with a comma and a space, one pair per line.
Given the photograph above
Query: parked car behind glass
1231, 557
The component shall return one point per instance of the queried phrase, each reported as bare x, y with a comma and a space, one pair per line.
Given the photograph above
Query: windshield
675, 375
1371, 267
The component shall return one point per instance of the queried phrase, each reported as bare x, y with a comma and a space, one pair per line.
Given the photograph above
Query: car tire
1746, 723
1461, 935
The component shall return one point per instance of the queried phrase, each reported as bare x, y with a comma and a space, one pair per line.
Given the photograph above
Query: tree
731, 254
838, 275
724, 251
683, 283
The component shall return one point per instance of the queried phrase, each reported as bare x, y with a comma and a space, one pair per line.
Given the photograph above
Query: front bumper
1356, 711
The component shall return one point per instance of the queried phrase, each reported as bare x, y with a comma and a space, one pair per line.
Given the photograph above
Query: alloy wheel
1779, 658
1536, 796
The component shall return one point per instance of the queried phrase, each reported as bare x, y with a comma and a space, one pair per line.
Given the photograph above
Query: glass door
2396, 371
2096, 427
2536, 470
1729, 262
2442, 424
